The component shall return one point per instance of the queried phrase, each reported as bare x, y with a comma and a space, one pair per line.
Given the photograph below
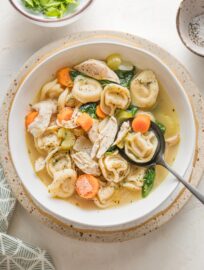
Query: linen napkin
14, 253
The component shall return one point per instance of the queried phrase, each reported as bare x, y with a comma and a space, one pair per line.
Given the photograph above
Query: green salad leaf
89, 108
125, 76
148, 181
49, 8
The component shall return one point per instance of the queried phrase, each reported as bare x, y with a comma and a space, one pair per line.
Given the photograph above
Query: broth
165, 113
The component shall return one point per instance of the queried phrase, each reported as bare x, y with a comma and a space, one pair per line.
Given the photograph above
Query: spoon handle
191, 188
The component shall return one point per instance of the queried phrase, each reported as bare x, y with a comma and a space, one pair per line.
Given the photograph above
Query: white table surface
178, 244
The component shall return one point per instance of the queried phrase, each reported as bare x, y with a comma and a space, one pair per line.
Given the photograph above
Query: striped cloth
14, 253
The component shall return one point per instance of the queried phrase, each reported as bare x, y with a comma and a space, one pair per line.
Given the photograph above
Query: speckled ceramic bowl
117, 218
190, 25
73, 14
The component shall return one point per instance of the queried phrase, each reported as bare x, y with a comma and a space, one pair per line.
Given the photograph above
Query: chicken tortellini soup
82, 120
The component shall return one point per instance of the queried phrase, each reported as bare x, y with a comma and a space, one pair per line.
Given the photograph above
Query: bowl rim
130, 220
179, 32
54, 20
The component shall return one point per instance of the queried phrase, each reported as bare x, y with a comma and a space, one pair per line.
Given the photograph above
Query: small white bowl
190, 25
116, 218
39, 19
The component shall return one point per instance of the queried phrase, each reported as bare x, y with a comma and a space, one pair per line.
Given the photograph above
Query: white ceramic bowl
120, 217
72, 15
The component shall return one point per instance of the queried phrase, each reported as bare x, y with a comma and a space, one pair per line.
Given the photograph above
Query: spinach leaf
111, 149
148, 181
125, 76
74, 74
132, 109
89, 108
105, 82
161, 127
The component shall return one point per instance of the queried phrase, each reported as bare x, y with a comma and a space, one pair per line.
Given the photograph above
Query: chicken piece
107, 131
83, 144
98, 70
45, 110
85, 163
40, 164
174, 140
93, 132
124, 129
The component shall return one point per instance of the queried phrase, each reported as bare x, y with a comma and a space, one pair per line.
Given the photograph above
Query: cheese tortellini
114, 168
144, 89
114, 97
140, 147
51, 90
86, 89
63, 185
58, 160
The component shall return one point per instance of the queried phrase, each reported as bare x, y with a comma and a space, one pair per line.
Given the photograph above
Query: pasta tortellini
63, 185
105, 193
47, 141
45, 110
114, 168
86, 89
144, 89
114, 97
135, 178
51, 90
97, 70
58, 160
140, 147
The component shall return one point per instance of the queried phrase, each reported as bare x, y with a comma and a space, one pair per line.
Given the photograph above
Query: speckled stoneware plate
171, 206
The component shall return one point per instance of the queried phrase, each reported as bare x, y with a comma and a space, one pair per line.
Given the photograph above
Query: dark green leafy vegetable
74, 74
104, 82
111, 149
89, 108
132, 109
161, 126
125, 76
50, 8
148, 181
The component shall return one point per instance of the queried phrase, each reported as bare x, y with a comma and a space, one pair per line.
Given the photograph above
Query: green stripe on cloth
14, 253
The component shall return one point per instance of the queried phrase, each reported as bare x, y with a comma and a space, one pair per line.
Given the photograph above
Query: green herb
50, 8
161, 127
89, 108
74, 74
132, 109
125, 76
111, 149
148, 181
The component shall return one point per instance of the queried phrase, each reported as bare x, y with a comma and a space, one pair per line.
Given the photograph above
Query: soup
82, 120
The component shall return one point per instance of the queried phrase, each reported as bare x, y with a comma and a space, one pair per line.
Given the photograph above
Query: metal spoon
158, 159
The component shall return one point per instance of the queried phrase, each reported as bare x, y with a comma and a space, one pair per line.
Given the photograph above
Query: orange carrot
85, 121
87, 186
30, 118
64, 78
65, 114
141, 123
100, 113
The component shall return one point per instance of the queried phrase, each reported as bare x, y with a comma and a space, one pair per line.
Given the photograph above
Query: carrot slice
87, 186
85, 121
64, 77
65, 114
100, 113
30, 117
141, 123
